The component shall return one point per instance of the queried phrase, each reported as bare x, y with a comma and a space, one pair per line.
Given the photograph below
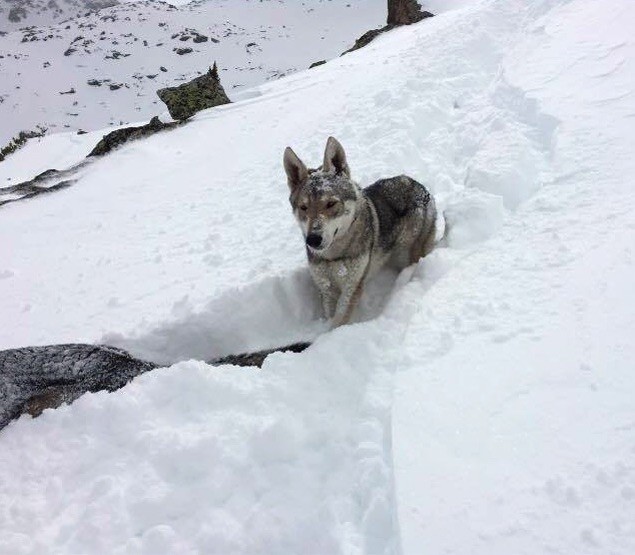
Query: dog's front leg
329, 302
327, 290
346, 305
351, 291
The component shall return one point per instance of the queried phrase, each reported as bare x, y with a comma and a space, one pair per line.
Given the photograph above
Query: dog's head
323, 200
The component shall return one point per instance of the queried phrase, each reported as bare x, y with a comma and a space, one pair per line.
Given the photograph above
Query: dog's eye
331, 203
304, 208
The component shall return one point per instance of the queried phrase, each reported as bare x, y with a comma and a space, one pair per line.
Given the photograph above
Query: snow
128, 44
483, 401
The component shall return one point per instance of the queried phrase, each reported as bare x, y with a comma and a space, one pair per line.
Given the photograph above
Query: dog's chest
338, 275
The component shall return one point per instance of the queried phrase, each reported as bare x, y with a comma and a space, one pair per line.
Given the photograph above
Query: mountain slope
482, 403
104, 67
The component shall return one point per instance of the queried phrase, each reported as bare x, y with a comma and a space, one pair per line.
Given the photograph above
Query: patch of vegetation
20, 140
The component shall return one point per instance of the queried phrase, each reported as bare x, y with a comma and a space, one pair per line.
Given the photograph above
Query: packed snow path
488, 406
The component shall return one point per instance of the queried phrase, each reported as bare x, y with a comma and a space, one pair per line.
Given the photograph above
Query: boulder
198, 94
405, 12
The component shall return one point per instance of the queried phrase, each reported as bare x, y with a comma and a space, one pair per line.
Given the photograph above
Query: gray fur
393, 221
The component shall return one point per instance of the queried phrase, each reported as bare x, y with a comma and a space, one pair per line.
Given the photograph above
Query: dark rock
37, 185
36, 378
20, 140
115, 86
319, 63
257, 358
17, 14
400, 12
94, 82
119, 137
69, 51
198, 94
405, 12
163, 69
33, 379
368, 37
181, 51
71, 91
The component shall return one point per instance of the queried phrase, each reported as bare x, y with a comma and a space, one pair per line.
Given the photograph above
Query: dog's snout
314, 240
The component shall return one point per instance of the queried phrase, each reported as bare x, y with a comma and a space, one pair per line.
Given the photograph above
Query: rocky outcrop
33, 379
400, 12
121, 136
257, 358
45, 182
198, 94
53, 180
20, 140
367, 37
405, 12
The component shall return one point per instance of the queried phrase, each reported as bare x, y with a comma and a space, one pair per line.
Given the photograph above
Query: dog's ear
335, 157
295, 168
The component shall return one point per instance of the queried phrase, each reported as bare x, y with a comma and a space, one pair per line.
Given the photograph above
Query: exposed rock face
33, 379
50, 11
45, 182
405, 12
400, 12
198, 94
257, 358
368, 37
120, 136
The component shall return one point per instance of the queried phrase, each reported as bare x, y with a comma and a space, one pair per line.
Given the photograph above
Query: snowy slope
488, 405
104, 67
15, 14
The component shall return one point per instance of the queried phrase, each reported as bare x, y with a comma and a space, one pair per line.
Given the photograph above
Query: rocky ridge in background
17, 13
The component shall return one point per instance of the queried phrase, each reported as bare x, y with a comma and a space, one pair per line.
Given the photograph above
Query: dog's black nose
314, 240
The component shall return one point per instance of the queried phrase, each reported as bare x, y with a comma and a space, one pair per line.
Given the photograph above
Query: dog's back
406, 218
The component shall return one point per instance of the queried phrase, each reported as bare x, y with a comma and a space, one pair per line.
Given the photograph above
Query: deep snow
485, 403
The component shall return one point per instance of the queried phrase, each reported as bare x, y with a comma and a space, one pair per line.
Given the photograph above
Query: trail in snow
485, 407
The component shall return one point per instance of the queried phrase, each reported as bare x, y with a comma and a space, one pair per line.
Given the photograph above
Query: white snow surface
103, 68
483, 403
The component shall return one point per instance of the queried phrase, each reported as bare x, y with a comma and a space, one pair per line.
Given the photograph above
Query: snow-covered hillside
484, 401
15, 14
104, 67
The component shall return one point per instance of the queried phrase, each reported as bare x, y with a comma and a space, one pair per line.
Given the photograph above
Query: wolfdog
350, 233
